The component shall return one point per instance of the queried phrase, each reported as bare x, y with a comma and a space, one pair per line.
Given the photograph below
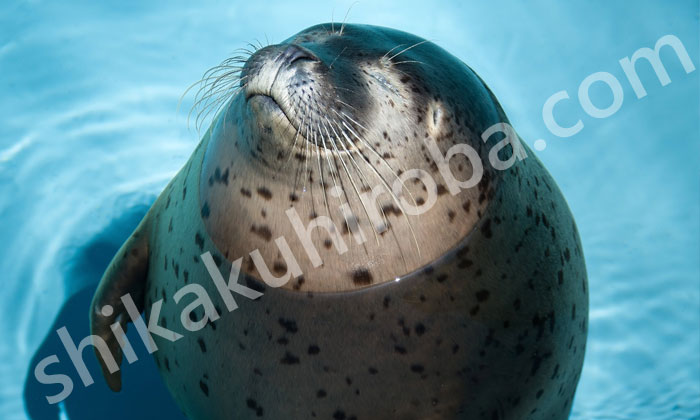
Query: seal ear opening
125, 275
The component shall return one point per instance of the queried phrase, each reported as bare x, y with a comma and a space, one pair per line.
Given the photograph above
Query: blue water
90, 133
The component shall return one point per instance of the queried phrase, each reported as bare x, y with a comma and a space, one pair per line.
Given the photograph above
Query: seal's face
327, 136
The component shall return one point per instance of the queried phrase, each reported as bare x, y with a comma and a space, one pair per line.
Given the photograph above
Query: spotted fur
489, 321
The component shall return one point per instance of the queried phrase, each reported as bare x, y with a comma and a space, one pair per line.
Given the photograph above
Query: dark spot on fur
253, 405
262, 231
389, 209
204, 388
289, 325
279, 267
289, 359
298, 283
255, 285
486, 228
264, 193
314, 349
362, 277
199, 241
482, 295
417, 368
465, 263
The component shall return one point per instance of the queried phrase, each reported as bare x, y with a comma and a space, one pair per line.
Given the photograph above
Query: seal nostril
295, 53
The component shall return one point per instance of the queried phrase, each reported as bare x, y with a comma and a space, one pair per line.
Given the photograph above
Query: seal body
433, 300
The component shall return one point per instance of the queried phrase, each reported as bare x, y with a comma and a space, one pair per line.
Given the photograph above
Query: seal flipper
126, 274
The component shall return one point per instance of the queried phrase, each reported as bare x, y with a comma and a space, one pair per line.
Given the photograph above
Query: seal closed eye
408, 263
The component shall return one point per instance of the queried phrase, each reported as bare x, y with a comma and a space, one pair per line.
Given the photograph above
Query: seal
394, 249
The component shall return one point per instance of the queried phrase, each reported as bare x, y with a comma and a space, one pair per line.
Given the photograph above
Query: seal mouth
264, 97
270, 105
269, 102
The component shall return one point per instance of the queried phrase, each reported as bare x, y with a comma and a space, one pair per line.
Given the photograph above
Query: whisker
218, 86
333, 175
332, 62
410, 61
381, 159
352, 181
330, 169
406, 49
332, 20
342, 27
369, 146
389, 52
296, 136
323, 182
347, 105
385, 219
338, 156
306, 158
301, 127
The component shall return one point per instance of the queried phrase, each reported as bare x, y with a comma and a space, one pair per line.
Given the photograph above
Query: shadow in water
143, 395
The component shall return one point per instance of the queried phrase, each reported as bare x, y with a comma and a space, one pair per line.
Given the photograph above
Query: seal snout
272, 65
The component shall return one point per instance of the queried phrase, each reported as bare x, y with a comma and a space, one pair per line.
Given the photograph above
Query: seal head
328, 135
